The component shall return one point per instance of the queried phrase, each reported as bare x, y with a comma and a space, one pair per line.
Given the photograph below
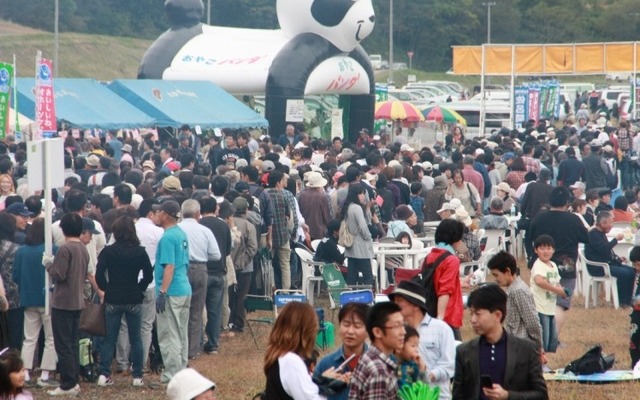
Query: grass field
237, 369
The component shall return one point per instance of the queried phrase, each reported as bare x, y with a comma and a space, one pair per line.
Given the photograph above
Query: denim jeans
215, 290
148, 317
113, 315
549, 334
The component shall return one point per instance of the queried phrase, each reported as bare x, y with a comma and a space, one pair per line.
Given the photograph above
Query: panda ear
330, 12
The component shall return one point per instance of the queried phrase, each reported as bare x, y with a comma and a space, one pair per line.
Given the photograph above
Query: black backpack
425, 279
592, 362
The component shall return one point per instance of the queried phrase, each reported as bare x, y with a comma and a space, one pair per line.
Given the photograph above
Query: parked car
376, 61
399, 66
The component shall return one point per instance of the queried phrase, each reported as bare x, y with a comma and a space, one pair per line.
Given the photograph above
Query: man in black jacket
496, 365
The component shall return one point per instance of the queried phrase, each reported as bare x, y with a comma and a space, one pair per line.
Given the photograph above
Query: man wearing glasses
375, 375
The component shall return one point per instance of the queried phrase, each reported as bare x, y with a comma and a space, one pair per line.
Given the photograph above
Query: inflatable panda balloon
316, 51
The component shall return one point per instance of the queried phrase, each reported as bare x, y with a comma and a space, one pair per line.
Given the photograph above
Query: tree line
427, 27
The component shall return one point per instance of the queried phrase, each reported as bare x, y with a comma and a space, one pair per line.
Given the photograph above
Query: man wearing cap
126, 154
437, 345
363, 138
605, 200
90, 168
595, 168
427, 180
203, 248
22, 214
578, 190
314, 205
173, 291
188, 384
570, 170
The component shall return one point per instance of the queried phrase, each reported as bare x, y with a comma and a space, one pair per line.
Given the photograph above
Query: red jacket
447, 281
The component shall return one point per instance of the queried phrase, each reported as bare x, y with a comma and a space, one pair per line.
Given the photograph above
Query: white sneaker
105, 381
137, 382
74, 391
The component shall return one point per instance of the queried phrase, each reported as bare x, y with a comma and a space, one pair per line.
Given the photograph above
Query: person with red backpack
443, 283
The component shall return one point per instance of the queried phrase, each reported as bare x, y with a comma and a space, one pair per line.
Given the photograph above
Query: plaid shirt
280, 207
532, 164
522, 318
293, 206
374, 377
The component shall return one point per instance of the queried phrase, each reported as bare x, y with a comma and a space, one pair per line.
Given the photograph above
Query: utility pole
390, 41
489, 5
56, 39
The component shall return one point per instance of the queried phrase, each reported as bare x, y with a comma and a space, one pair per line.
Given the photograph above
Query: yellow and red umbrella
443, 114
398, 110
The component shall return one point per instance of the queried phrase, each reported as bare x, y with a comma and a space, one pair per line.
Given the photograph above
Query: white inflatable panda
316, 51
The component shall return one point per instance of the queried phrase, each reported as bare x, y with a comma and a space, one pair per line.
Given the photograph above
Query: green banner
6, 76
382, 94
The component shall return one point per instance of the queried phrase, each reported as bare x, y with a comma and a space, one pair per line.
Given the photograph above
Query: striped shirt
281, 209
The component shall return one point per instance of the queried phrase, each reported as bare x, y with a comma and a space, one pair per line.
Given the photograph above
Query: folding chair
364, 296
282, 297
258, 303
336, 285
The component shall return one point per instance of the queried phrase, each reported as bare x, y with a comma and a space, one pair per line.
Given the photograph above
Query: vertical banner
336, 123
521, 106
6, 77
534, 104
45, 101
382, 94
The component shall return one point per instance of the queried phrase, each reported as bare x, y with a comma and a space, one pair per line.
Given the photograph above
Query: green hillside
80, 55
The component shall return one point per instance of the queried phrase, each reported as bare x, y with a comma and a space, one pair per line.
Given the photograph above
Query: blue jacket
28, 274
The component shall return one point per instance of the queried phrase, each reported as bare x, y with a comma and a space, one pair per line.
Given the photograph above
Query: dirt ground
237, 369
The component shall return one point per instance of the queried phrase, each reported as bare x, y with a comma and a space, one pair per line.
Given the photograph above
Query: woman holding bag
123, 262
359, 254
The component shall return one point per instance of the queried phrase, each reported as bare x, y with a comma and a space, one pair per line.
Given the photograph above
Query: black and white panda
316, 51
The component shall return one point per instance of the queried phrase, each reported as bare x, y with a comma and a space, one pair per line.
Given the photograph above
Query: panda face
342, 22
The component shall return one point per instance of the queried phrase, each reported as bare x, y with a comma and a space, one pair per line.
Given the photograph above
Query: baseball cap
241, 204
268, 166
89, 226
169, 207
19, 209
93, 160
578, 185
171, 183
508, 156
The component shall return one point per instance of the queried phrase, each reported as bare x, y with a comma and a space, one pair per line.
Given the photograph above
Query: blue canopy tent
173, 103
84, 103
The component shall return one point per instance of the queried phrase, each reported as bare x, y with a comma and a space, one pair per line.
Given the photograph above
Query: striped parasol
442, 114
398, 110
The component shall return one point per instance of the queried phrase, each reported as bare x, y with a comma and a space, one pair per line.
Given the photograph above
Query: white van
376, 61
497, 115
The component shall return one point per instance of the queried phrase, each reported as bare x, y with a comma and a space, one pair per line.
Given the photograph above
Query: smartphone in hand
486, 382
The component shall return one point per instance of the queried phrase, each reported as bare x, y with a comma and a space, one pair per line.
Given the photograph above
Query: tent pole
635, 82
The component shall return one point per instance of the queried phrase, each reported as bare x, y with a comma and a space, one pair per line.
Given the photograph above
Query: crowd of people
166, 231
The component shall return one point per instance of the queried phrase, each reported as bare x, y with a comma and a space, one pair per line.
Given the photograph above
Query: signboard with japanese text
295, 110
534, 104
521, 107
45, 101
6, 77
336, 123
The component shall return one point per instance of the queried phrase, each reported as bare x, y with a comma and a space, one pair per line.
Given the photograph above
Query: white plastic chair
623, 249
495, 239
315, 243
308, 269
591, 282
